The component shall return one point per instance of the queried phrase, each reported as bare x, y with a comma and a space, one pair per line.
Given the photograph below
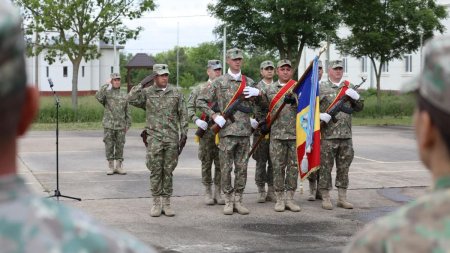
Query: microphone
50, 82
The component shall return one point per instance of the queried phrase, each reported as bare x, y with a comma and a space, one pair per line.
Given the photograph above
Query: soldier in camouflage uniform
116, 122
166, 114
234, 137
336, 137
313, 178
208, 152
283, 147
30, 223
423, 224
263, 171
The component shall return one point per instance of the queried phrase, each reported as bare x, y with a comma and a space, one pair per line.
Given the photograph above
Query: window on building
112, 69
408, 63
385, 67
47, 71
82, 71
344, 63
364, 64
65, 71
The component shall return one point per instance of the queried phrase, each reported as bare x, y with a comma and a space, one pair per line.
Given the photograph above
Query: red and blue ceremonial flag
308, 121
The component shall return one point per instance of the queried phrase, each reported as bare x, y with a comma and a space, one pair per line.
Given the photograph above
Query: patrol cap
266, 64
161, 69
214, 64
12, 50
433, 83
337, 64
283, 62
115, 76
235, 53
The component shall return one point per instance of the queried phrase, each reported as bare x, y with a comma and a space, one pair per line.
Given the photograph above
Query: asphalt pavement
385, 174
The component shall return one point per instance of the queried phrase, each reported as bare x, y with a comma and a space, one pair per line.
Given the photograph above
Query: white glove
201, 123
325, 117
250, 92
254, 123
352, 93
219, 120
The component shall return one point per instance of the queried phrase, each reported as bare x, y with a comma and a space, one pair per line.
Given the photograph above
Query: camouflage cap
433, 83
115, 76
235, 53
283, 62
12, 49
336, 64
161, 69
266, 64
214, 64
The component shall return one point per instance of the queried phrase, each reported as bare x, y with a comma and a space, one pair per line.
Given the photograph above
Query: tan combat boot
312, 190
119, 168
326, 202
280, 205
156, 207
229, 202
110, 167
290, 204
271, 194
166, 209
218, 195
208, 195
240, 208
342, 199
261, 197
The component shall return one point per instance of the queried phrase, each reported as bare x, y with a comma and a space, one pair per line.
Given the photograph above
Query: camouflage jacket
29, 223
420, 226
117, 114
283, 128
192, 101
222, 90
166, 112
262, 108
342, 129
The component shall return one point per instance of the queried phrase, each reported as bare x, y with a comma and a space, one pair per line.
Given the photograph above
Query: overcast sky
160, 26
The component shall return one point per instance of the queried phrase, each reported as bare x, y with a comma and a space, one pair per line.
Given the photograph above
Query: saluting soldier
336, 137
283, 148
264, 170
116, 122
208, 152
167, 126
234, 143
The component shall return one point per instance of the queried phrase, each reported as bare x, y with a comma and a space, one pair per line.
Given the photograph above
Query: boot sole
342, 206
168, 215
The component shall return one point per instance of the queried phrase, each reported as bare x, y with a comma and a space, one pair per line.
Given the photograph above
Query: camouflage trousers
234, 150
162, 158
283, 154
264, 170
314, 177
341, 151
114, 141
208, 153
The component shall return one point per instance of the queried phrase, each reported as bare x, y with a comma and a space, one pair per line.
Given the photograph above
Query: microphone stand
57, 104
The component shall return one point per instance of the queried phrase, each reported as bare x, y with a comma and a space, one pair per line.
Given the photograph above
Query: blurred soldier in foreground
336, 136
283, 149
422, 225
263, 171
29, 223
116, 122
208, 152
167, 126
234, 137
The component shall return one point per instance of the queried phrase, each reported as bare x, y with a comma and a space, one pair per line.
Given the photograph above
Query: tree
284, 25
387, 29
75, 27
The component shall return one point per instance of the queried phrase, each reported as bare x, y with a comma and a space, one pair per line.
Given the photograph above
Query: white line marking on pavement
376, 161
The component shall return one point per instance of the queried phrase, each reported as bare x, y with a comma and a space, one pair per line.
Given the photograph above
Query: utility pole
224, 69
115, 50
178, 52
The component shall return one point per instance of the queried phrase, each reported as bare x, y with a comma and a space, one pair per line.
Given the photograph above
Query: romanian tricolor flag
308, 121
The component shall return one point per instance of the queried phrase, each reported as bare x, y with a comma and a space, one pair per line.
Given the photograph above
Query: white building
394, 74
91, 74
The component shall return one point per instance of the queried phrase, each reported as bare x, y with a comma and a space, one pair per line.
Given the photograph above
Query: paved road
385, 174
